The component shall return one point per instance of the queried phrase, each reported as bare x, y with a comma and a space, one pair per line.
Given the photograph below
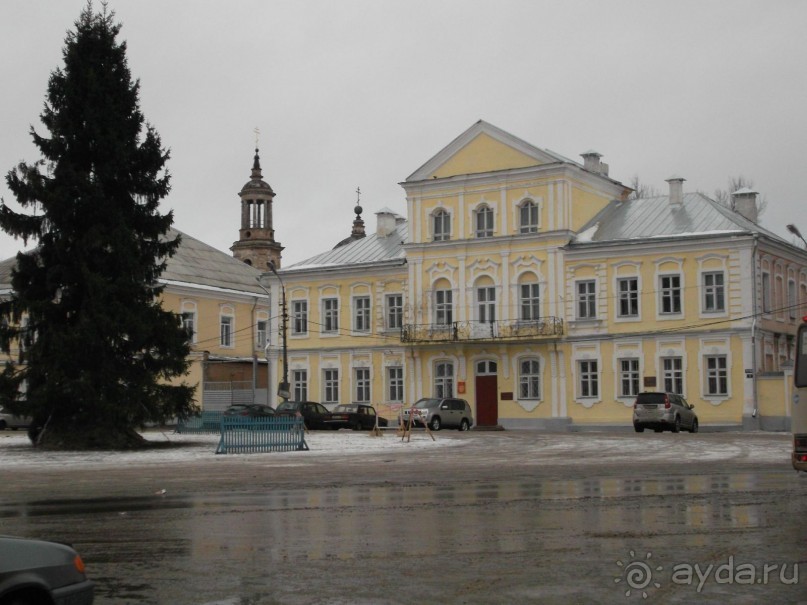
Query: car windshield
288, 406
427, 403
346, 408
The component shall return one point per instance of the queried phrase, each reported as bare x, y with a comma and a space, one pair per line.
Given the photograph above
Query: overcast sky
354, 93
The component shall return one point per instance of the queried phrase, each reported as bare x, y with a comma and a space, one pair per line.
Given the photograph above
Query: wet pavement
501, 518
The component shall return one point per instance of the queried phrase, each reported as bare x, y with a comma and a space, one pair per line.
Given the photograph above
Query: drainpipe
254, 355
754, 328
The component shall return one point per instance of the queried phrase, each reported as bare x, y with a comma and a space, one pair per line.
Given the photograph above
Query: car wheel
638, 428
465, 425
677, 426
694, 428
435, 423
356, 426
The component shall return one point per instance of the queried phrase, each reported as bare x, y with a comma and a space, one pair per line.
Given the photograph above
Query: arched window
529, 300
484, 221
443, 304
442, 225
528, 217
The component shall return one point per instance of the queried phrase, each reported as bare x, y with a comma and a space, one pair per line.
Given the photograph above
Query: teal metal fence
244, 435
204, 422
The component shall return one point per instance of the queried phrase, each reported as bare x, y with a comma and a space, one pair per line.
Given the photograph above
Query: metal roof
651, 217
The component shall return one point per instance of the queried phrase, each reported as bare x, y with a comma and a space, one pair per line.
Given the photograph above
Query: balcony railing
465, 331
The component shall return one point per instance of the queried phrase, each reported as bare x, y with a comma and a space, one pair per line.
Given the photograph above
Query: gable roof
194, 264
656, 217
530, 154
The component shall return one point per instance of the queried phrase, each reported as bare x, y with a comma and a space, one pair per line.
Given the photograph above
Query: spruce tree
98, 356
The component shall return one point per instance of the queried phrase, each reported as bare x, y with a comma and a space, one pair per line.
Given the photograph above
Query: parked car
315, 415
251, 410
440, 413
663, 411
34, 572
356, 416
10, 421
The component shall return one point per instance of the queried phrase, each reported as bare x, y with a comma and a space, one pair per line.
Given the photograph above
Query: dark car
663, 411
356, 416
251, 410
315, 415
34, 572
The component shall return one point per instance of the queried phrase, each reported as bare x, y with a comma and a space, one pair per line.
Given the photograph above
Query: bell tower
256, 245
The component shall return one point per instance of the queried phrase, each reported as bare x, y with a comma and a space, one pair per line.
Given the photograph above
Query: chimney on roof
676, 191
592, 163
744, 201
385, 222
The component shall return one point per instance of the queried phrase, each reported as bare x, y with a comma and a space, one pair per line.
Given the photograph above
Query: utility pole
283, 388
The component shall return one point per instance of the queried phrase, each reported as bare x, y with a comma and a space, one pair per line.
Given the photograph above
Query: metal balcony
470, 331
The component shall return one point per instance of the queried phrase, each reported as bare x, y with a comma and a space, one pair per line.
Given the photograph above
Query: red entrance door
487, 394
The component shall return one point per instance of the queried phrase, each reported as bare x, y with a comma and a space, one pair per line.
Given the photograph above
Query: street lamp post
283, 388
795, 231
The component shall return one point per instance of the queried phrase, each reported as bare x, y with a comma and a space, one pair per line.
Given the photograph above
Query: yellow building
532, 286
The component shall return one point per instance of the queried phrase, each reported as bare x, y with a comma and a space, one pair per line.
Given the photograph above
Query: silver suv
438, 413
663, 411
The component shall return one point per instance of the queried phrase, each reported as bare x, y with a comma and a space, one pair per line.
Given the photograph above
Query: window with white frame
586, 299
189, 322
672, 373
330, 315
628, 292
589, 378
330, 383
443, 307
628, 377
361, 313
444, 379
441, 221
528, 217
395, 384
714, 292
529, 379
226, 330
670, 293
362, 382
299, 317
766, 292
261, 332
529, 302
299, 380
394, 311
486, 304
717, 376
484, 221
792, 301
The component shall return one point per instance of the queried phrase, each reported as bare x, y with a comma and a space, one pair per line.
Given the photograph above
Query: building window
589, 379
226, 331
486, 304
714, 292
628, 377
443, 308
444, 379
330, 315
330, 379
299, 379
361, 317
528, 217
673, 374
586, 299
766, 292
260, 333
791, 299
299, 320
529, 379
484, 222
442, 225
530, 303
670, 294
394, 311
395, 383
717, 377
189, 324
628, 289
362, 385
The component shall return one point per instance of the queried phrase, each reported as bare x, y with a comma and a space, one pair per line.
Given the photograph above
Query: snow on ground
16, 450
